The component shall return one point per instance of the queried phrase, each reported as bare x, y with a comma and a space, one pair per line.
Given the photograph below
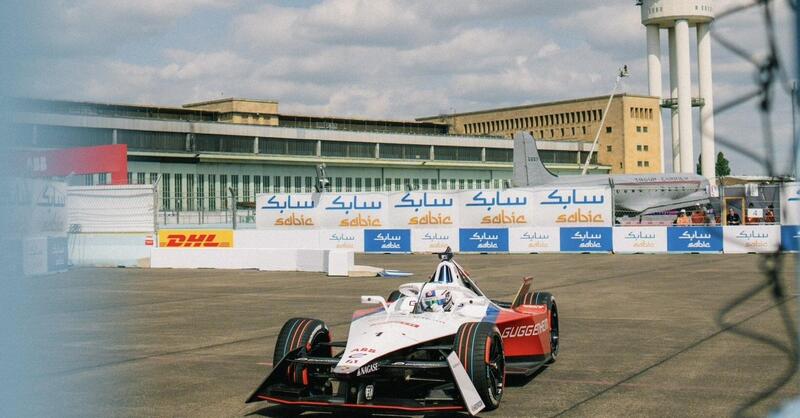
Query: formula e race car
441, 345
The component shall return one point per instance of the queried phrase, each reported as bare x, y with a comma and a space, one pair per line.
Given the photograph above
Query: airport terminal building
202, 149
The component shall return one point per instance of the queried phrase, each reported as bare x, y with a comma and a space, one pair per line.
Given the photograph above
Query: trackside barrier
628, 239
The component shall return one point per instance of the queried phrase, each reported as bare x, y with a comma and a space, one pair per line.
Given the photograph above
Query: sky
386, 58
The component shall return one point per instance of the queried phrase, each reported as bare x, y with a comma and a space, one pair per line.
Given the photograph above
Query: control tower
677, 16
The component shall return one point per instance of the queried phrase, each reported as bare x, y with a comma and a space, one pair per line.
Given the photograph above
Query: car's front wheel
306, 333
479, 347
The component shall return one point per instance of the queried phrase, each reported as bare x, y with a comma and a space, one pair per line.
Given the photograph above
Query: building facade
629, 142
202, 150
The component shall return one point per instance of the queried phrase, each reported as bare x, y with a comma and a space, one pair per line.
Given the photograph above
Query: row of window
641, 113
62, 137
640, 147
644, 163
641, 129
534, 121
181, 191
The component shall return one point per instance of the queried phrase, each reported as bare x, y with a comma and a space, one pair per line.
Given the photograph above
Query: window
309, 184
639, 163
162, 141
638, 129
348, 184
201, 178
368, 184
646, 147
638, 148
267, 184
457, 153
461, 184
348, 149
647, 163
416, 184
584, 130
403, 151
139, 178
424, 184
398, 184
130, 177
608, 148
165, 192
434, 184
190, 192
298, 184
212, 192
246, 188
235, 187
499, 155
287, 146
337, 184
287, 184
608, 129
223, 191
256, 184
223, 143
277, 184
644, 128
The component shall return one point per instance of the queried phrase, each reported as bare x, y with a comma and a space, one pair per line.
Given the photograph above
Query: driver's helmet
437, 300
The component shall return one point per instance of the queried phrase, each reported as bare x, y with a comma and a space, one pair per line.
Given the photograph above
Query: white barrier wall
114, 209
268, 259
749, 239
646, 239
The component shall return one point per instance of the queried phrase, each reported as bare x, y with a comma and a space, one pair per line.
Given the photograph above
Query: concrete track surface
638, 336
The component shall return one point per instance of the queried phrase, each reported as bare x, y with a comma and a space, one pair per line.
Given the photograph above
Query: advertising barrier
790, 204
694, 239
589, 206
496, 208
790, 237
387, 240
586, 239
430, 209
433, 240
287, 211
483, 240
190, 238
644, 239
353, 210
751, 239
534, 240
341, 239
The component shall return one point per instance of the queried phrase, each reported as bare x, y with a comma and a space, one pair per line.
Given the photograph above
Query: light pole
623, 72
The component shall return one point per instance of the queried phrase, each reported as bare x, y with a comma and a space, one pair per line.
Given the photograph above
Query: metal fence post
233, 206
155, 206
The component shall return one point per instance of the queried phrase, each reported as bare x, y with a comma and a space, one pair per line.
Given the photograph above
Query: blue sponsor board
586, 239
483, 240
694, 239
790, 237
387, 240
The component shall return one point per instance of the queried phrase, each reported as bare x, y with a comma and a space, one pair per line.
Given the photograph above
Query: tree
721, 167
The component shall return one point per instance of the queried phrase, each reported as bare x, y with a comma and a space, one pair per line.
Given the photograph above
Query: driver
437, 301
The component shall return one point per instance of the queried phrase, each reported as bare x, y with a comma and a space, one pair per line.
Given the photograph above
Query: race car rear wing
523, 290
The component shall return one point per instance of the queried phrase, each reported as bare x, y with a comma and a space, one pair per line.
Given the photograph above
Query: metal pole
155, 208
602, 122
233, 206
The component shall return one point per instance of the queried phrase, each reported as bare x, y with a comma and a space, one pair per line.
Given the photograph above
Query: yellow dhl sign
195, 238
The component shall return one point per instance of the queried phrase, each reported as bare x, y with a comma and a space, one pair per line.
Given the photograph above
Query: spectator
733, 217
683, 219
711, 218
769, 215
698, 217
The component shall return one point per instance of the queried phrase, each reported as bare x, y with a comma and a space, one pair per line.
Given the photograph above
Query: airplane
637, 194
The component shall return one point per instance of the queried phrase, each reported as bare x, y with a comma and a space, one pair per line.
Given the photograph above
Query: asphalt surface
638, 334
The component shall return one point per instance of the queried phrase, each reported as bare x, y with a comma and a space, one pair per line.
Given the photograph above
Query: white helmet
436, 301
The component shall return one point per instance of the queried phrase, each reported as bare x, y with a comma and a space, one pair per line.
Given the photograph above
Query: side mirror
375, 300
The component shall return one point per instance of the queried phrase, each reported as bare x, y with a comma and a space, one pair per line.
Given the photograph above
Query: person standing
733, 217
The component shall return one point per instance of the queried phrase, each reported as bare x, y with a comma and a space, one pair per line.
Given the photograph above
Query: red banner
86, 160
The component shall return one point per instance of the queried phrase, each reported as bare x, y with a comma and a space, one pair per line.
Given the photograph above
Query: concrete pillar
654, 75
255, 145
114, 136
708, 154
673, 88
684, 94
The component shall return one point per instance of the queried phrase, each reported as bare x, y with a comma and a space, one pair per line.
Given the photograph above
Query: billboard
586, 239
387, 240
495, 208
540, 239
751, 239
690, 239
341, 239
429, 209
189, 238
483, 240
353, 210
287, 211
790, 237
433, 240
558, 206
640, 239
790, 204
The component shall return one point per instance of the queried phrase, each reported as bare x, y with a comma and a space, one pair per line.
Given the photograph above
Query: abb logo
195, 239
525, 330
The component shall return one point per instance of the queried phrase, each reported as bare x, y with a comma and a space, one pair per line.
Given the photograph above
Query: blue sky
377, 58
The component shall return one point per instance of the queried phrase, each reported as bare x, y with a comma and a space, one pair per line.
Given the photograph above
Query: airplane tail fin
528, 167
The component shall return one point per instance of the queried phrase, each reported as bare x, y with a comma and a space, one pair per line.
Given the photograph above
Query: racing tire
546, 298
304, 333
394, 296
479, 347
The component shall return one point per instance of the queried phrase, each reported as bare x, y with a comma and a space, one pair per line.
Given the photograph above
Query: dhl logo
195, 239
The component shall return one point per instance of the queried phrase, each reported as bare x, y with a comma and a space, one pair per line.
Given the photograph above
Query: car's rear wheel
302, 333
546, 298
479, 347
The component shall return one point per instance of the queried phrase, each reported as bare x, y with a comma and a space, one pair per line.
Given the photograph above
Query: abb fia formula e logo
525, 330
181, 238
